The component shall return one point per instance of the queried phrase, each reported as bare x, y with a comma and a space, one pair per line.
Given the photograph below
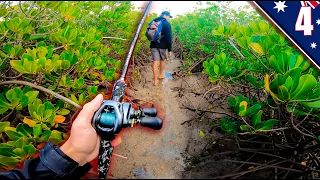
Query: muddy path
169, 153
153, 154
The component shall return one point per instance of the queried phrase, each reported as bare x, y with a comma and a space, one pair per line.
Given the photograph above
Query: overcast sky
177, 7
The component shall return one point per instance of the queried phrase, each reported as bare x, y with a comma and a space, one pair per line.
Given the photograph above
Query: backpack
154, 29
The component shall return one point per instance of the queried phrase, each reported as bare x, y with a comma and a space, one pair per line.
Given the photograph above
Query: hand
170, 53
83, 143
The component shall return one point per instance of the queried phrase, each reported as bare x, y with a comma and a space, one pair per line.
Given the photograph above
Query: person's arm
72, 159
52, 163
169, 36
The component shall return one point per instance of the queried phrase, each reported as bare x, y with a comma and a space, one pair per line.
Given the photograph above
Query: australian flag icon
299, 21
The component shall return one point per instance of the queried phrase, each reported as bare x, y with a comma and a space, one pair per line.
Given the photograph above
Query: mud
171, 152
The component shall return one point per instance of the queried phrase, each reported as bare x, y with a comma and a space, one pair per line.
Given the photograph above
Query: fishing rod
113, 115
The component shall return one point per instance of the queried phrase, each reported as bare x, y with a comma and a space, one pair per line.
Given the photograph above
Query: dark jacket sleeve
52, 164
168, 36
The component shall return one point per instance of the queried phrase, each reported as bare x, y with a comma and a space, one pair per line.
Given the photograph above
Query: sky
177, 7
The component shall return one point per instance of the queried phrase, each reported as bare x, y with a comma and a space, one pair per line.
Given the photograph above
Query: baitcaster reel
112, 116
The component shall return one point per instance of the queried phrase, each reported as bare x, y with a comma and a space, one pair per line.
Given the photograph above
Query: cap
166, 13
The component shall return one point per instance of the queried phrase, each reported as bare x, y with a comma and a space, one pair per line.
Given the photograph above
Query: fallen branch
11, 77
225, 113
295, 127
41, 89
252, 163
119, 156
248, 171
115, 38
207, 93
279, 129
272, 155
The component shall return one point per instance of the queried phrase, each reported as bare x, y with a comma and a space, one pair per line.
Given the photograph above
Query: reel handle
151, 122
149, 112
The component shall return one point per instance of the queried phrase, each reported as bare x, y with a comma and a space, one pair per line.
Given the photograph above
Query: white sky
177, 7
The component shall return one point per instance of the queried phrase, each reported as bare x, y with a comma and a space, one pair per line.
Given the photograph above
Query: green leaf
216, 69
213, 79
3, 109
64, 112
37, 130
8, 48
8, 161
3, 101
3, 12
41, 110
295, 75
45, 135
56, 136
17, 65
12, 134
314, 104
14, 95
24, 102
22, 142
19, 152
253, 110
243, 108
267, 125
202, 134
275, 64
256, 119
24, 129
3, 125
245, 128
6, 151
32, 95
283, 93
288, 83
29, 149
306, 83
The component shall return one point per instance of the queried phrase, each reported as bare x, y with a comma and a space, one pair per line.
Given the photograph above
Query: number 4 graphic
305, 18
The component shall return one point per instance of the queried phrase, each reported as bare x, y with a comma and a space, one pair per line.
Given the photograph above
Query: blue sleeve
51, 164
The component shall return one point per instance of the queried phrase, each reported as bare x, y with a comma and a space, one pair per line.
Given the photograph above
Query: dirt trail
153, 154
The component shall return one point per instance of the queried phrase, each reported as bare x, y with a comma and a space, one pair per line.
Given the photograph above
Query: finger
116, 141
88, 110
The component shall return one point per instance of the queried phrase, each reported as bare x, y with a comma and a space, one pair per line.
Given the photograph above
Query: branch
272, 166
295, 127
209, 111
57, 48
259, 60
22, 9
41, 89
115, 38
12, 77
271, 130
207, 93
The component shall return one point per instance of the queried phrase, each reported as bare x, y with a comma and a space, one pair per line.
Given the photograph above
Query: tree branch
115, 38
57, 48
41, 89
295, 127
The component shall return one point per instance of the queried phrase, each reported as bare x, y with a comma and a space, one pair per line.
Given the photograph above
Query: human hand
83, 143
170, 53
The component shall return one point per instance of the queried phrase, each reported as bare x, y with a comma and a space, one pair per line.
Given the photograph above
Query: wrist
67, 149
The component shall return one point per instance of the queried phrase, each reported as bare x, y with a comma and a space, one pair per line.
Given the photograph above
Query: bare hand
170, 54
83, 143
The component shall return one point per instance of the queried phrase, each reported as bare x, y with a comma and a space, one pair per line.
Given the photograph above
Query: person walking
161, 46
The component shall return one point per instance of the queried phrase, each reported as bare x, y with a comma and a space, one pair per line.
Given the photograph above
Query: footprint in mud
140, 173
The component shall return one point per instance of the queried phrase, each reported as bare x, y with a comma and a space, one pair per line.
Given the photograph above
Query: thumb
90, 108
